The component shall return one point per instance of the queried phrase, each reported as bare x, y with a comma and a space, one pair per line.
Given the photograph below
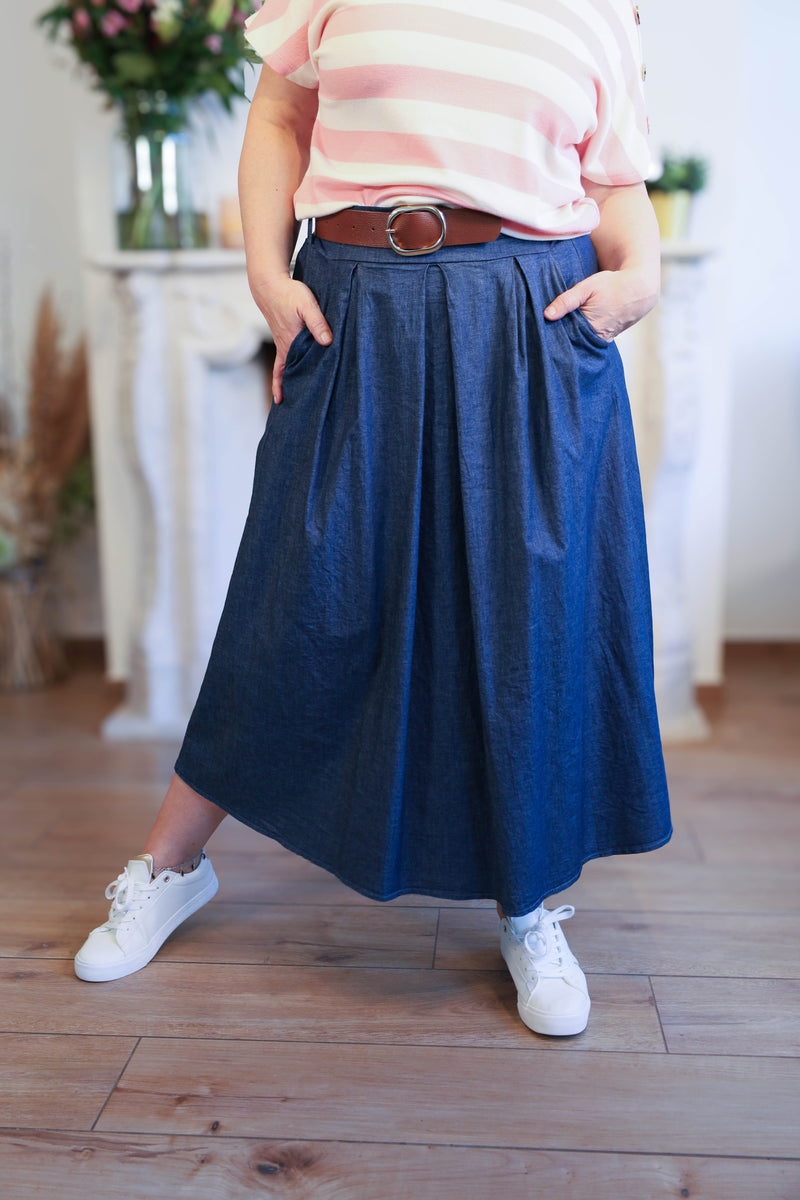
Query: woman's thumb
317, 325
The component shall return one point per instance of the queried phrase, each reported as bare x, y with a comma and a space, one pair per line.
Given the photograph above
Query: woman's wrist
644, 278
267, 280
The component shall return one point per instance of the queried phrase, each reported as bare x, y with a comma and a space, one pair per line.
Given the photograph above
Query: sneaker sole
100, 973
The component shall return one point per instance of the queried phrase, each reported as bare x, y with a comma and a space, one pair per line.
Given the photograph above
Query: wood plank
12, 774
23, 823
62, 820
212, 1168
748, 829
359, 1005
308, 935
706, 944
644, 883
683, 846
711, 768
58, 1082
57, 755
730, 1016
237, 933
637, 1103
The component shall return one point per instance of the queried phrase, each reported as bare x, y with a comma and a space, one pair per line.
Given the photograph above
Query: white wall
763, 594
43, 110
721, 81
689, 113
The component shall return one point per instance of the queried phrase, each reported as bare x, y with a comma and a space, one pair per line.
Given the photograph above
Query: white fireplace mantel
663, 358
179, 403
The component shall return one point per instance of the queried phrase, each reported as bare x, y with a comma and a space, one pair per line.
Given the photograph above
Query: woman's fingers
310, 317
610, 300
568, 301
288, 307
277, 377
593, 303
317, 325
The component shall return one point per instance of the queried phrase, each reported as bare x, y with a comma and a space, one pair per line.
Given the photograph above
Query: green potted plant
672, 192
151, 58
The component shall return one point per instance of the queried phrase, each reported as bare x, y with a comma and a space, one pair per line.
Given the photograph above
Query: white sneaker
143, 913
552, 996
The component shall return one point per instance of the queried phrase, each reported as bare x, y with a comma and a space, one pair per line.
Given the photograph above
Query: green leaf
130, 65
219, 13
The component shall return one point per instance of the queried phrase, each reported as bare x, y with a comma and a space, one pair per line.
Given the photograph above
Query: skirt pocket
298, 348
568, 276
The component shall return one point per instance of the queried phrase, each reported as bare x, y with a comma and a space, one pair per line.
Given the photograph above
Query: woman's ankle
160, 863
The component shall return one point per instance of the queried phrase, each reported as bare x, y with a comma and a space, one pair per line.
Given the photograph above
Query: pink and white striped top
500, 105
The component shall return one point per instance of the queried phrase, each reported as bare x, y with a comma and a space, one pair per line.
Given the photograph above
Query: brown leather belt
409, 229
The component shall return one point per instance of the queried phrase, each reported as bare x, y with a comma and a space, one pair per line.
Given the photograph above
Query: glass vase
158, 210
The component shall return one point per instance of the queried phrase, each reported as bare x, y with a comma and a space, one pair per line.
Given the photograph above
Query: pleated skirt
433, 672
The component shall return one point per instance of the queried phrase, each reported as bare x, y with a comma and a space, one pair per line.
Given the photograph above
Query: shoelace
536, 942
122, 892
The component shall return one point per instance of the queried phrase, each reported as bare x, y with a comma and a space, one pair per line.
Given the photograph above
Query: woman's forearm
274, 158
273, 161
627, 237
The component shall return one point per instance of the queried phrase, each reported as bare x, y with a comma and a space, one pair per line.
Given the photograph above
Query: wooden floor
295, 1040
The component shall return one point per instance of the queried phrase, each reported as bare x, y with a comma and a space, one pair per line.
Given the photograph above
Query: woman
433, 672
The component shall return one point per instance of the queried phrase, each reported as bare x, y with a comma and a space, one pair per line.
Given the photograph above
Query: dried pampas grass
33, 468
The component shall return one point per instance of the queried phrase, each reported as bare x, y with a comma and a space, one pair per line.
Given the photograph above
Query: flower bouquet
151, 58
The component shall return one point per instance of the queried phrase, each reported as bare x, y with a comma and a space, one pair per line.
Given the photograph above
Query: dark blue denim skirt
433, 673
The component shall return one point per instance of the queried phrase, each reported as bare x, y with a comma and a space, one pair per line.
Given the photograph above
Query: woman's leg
184, 824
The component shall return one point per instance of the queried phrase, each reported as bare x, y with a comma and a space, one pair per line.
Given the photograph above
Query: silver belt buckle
412, 208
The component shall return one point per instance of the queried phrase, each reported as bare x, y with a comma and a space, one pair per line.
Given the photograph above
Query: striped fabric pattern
499, 105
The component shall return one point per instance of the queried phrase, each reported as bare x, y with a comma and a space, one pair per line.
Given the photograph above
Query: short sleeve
618, 152
278, 32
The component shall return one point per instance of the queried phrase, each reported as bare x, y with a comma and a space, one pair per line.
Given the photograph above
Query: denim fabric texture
433, 673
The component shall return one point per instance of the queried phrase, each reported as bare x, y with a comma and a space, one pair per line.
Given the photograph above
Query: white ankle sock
525, 922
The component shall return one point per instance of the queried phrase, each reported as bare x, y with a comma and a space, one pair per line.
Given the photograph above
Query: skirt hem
437, 893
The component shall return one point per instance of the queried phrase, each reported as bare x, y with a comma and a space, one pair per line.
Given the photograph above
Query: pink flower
214, 43
130, 6
113, 23
98, 3
81, 21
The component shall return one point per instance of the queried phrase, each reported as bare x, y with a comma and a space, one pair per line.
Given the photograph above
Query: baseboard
784, 651
773, 657
710, 698
86, 652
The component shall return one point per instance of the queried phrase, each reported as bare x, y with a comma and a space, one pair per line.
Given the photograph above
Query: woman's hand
628, 250
610, 300
288, 305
